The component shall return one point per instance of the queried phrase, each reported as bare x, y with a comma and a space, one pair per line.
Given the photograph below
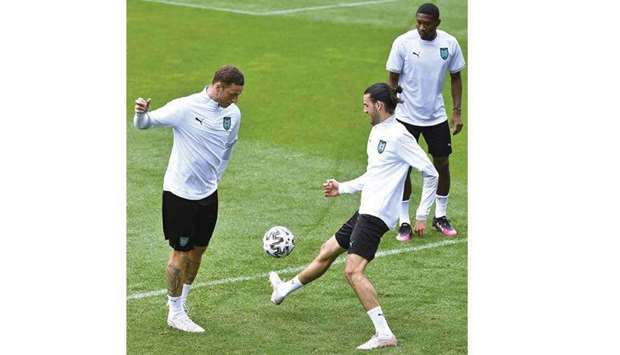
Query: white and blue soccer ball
278, 241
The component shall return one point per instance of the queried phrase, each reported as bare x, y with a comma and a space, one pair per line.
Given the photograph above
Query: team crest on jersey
443, 52
381, 146
226, 123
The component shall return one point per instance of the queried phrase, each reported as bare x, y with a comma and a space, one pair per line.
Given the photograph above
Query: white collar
211, 104
389, 119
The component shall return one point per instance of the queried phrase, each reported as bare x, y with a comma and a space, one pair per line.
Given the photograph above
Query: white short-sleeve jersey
422, 66
203, 138
391, 151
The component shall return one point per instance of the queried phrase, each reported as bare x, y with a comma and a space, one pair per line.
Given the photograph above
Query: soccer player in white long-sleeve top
418, 62
205, 128
391, 150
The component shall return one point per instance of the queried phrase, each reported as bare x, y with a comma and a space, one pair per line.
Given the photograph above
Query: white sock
175, 304
185, 292
404, 212
382, 328
441, 206
290, 285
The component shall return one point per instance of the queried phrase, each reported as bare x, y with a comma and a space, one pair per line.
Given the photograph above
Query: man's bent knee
177, 257
329, 250
354, 268
352, 275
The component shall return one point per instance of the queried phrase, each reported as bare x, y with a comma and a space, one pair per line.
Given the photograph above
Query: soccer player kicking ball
391, 151
205, 126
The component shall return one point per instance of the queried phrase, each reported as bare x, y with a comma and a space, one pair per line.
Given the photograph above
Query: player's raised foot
376, 342
444, 227
404, 232
181, 321
275, 281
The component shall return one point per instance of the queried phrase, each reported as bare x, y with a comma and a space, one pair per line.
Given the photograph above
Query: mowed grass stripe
340, 260
273, 12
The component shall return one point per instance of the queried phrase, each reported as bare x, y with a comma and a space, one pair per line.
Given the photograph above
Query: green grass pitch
302, 122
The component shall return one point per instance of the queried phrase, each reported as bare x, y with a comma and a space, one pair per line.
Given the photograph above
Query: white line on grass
273, 12
340, 260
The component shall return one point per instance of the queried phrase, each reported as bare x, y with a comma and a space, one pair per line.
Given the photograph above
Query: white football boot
275, 281
186, 308
181, 321
375, 343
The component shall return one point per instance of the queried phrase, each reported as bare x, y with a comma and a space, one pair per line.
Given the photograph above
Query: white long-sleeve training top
203, 138
391, 151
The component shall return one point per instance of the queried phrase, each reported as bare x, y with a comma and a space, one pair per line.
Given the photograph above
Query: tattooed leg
174, 272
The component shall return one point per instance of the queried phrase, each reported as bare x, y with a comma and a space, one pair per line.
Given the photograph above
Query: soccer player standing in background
418, 62
205, 128
391, 152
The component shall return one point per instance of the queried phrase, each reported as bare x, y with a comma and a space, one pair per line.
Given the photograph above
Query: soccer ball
278, 241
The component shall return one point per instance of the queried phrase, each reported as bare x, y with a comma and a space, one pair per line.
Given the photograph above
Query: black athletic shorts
361, 235
437, 137
188, 223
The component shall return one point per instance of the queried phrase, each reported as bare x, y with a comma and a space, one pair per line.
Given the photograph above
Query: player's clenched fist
142, 105
330, 188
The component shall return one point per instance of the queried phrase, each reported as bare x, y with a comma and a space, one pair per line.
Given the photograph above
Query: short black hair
429, 9
228, 74
386, 94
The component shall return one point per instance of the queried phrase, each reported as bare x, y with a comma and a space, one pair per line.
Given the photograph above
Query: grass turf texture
302, 122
